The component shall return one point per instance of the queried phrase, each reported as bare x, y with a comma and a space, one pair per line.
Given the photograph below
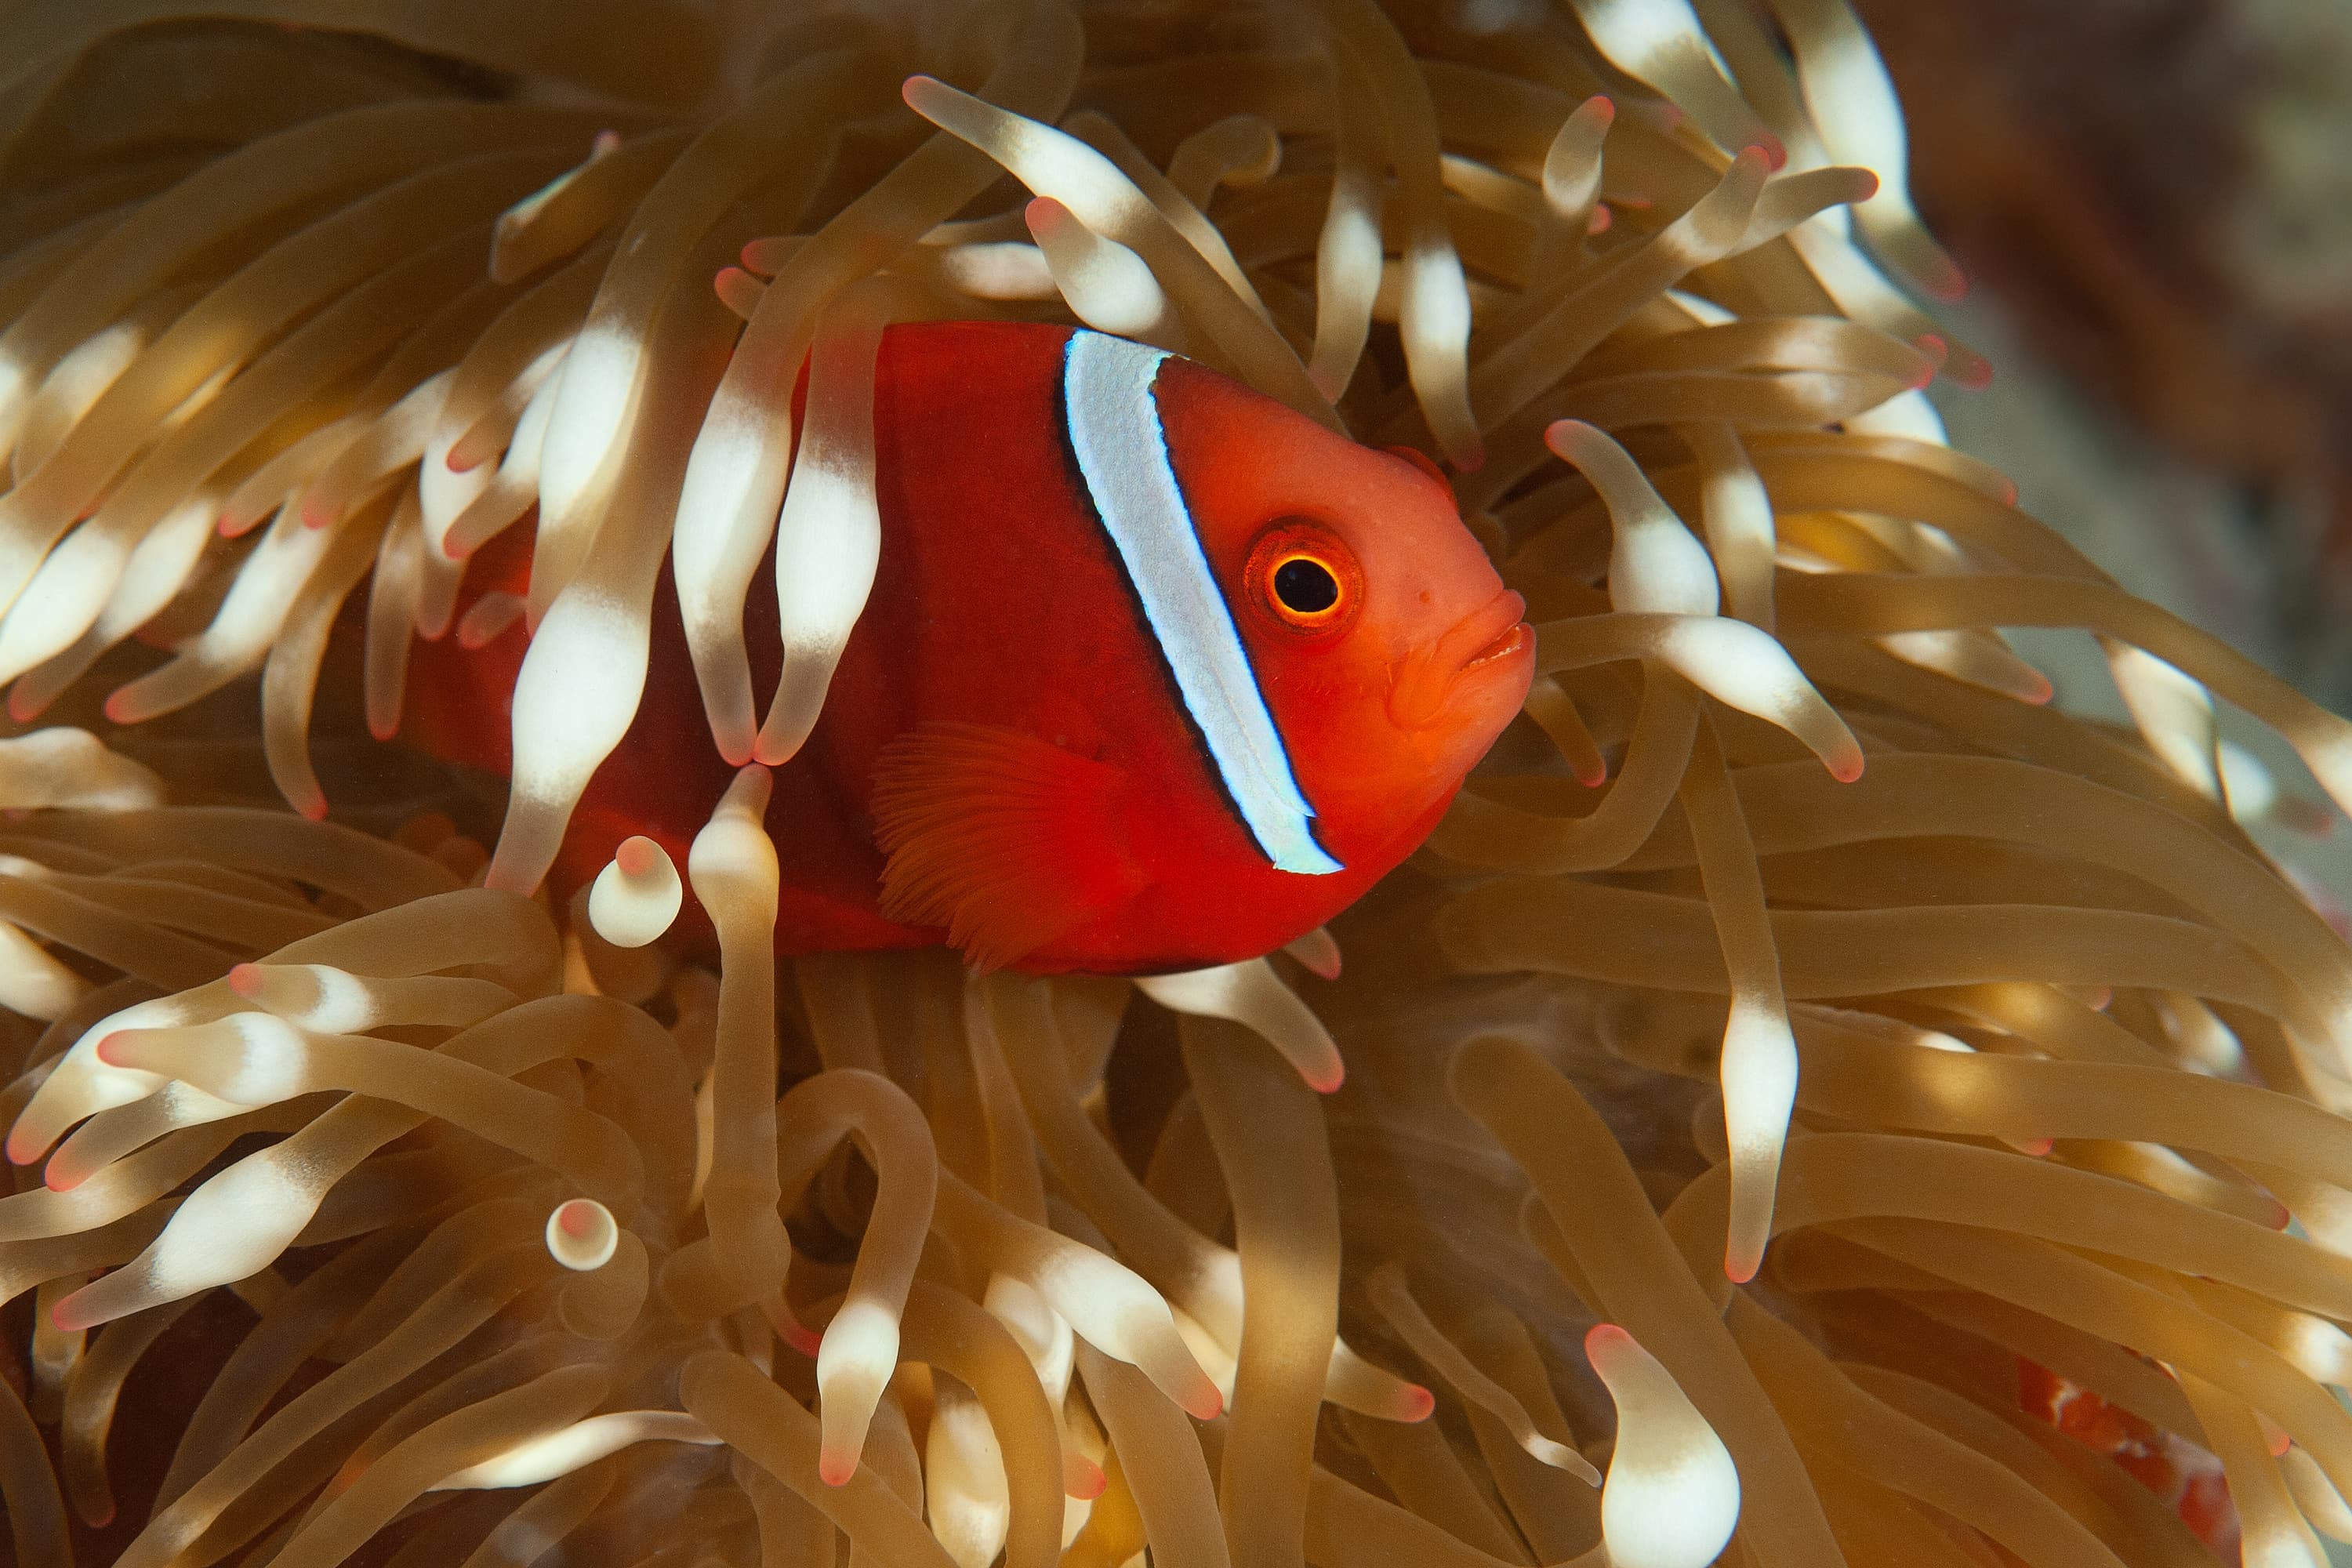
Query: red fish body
1156, 673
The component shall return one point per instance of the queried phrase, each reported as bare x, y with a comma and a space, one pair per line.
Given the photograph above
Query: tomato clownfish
1156, 672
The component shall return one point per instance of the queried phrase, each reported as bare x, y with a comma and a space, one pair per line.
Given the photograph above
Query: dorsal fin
1007, 840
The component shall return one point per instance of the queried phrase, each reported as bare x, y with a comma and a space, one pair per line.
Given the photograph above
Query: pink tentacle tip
635, 855
1043, 215
70, 1318
2036, 1148
1593, 777
1082, 1478
112, 1049
1845, 766
1601, 219
312, 807
835, 1471
1605, 1339
576, 1218
245, 979
1420, 1404
1976, 375
1204, 1403
804, 1339
918, 87
1327, 1083
119, 708
1775, 152
24, 706
1740, 1268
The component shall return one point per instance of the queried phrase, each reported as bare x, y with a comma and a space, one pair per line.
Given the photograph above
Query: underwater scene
1175, 784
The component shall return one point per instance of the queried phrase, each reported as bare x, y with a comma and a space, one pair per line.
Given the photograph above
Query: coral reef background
2153, 202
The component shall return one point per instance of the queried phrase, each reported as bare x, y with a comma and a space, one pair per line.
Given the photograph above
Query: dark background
2152, 200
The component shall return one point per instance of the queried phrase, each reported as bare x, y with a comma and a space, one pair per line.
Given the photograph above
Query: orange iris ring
1300, 539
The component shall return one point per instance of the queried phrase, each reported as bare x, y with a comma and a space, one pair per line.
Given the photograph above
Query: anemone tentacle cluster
1812, 1102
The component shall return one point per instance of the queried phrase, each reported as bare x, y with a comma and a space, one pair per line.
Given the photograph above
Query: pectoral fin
1007, 840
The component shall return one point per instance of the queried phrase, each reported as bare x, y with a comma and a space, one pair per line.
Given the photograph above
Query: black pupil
1306, 587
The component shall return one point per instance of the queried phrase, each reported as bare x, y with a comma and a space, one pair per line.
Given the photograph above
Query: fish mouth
1521, 636
1495, 631
1493, 635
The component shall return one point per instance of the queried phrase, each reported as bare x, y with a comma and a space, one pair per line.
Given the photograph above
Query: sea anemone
1812, 1102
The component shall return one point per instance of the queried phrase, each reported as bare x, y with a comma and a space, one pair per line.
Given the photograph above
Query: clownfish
1156, 672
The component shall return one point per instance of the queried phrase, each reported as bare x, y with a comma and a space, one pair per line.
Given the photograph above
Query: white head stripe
1122, 451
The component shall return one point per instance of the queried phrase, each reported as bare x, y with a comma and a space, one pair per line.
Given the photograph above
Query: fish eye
1305, 586
1305, 577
